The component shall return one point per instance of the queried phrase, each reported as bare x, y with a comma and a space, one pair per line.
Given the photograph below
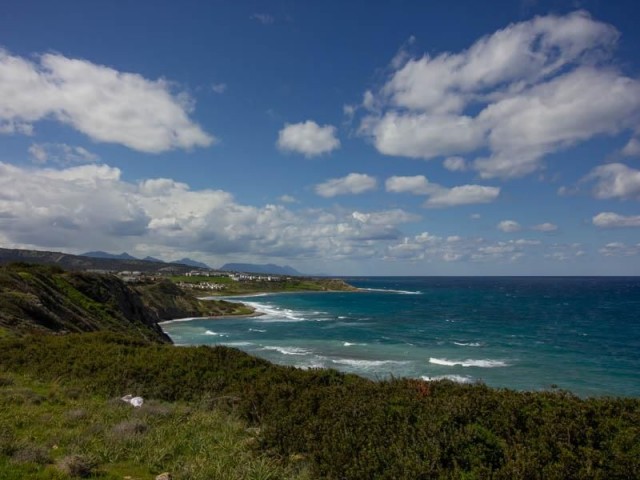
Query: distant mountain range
99, 260
113, 263
125, 256
112, 256
268, 268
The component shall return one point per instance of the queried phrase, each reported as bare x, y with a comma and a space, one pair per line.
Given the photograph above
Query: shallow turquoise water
527, 333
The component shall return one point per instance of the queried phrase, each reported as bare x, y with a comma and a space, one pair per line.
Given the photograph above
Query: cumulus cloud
615, 180
287, 199
352, 184
308, 138
429, 247
60, 153
614, 220
463, 195
455, 164
632, 148
620, 249
509, 226
525, 91
545, 227
440, 196
418, 185
92, 207
99, 101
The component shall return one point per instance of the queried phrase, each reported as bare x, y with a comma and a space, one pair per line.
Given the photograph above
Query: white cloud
92, 207
632, 148
287, 199
613, 220
455, 164
418, 185
428, 247
219, 87
352, 184
423, 135
101, 102
440, 196
263, 18
60, 153
14, 127
538, 86
462, 195
615, 180
308, 138
619, 249
509, 226
545, 227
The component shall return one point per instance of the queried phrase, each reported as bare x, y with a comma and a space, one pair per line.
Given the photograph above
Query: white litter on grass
135, 401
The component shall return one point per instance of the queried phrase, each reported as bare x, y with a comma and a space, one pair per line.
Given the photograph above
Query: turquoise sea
528, 333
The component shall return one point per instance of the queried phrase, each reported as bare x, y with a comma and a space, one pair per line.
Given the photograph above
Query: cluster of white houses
202, 285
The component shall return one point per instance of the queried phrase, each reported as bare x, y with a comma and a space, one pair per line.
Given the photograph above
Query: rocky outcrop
46, 298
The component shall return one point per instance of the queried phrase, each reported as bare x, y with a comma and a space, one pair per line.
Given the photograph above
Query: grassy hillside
46, 298
64, 433
288, 284
346, 427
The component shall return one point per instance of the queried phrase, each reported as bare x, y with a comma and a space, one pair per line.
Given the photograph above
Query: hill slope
46, 298
268, 268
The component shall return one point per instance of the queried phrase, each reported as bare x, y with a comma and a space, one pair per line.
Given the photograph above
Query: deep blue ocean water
528, 333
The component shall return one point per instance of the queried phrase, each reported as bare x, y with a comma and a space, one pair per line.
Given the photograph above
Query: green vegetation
53, 431
287, 284
339, 426
46, 298
168, 302
220, 413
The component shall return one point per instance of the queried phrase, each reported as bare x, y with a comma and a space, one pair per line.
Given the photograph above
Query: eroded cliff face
42, 298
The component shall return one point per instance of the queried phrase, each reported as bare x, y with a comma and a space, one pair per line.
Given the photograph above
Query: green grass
44, 424
339, 426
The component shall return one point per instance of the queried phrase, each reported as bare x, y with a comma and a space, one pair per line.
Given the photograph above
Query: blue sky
353, 138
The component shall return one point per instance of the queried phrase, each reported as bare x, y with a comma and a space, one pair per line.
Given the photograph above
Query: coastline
212, 317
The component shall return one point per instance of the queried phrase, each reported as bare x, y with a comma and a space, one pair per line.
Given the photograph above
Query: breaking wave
287, 350
453, 378
468, 363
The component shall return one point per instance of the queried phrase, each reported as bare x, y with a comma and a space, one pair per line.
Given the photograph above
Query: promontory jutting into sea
528, 333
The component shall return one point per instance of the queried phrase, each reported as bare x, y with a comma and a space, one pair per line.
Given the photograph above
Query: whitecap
453, 378
389, 290
470, 344
238, 344
216, 334
366, 363
287, 350
272, 314
468, 363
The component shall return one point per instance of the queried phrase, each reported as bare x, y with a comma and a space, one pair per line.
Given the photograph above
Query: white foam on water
469, 344
271, 314
178, 320
216, 334
287, 350
238, 344
389, 290
257, 330
453, 378
352, 362
468, 363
